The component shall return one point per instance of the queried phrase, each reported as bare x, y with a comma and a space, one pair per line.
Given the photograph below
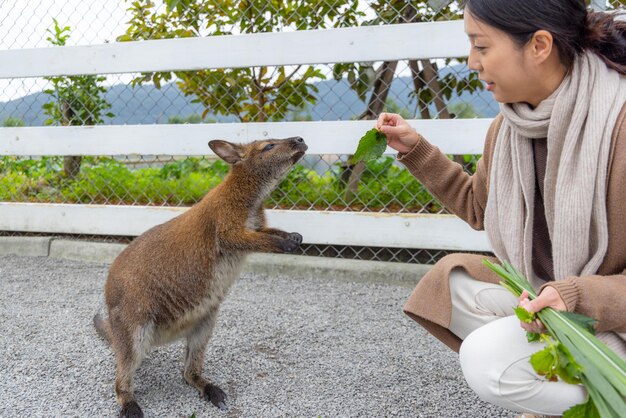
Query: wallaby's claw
289, 245
295, 237
216, 395
131, 410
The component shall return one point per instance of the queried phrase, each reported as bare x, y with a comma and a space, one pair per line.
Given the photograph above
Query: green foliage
584, 410
555, 361
184, 182
191, 119
392, 107
383, 185
251, 94
371, 146
12, 122
76, 100
463, 111
528, 317
299, 115
523, 315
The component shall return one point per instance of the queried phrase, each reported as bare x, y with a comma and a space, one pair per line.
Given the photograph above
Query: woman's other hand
548, 298
400, 135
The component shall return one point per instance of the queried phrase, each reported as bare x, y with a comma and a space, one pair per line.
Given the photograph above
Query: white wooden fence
390, 42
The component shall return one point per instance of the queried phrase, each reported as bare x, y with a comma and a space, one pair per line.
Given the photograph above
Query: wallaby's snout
298, 141
298, 144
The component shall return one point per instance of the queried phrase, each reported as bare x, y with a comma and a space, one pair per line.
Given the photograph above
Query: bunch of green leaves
371, 146
572, 353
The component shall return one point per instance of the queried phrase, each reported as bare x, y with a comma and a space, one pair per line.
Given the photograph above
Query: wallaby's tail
103, 327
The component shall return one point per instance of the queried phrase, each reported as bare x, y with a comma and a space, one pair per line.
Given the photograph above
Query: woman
548, 190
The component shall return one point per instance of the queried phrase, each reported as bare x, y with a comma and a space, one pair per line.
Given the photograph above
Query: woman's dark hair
573, 27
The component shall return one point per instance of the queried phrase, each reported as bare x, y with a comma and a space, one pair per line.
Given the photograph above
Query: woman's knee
495, 362
477, 357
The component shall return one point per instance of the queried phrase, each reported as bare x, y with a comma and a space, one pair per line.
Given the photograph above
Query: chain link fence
425, 89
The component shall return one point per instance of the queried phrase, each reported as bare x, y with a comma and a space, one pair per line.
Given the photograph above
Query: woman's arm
463, 194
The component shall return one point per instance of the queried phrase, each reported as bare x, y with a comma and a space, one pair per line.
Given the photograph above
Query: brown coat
599, 296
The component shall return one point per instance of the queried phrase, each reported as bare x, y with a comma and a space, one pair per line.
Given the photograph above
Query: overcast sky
23, 23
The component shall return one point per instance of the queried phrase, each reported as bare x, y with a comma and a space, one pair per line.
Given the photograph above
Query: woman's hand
400, 135
548, 298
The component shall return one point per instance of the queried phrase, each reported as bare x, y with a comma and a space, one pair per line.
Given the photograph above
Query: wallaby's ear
231, 153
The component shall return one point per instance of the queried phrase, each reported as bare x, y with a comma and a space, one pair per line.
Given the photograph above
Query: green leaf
371, 146
172, 4
566, 368
584, 321
532, 337
583, 410
124, 38
544, 362
524, 315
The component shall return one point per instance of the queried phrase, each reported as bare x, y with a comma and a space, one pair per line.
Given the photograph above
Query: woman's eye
268, 147
479, 48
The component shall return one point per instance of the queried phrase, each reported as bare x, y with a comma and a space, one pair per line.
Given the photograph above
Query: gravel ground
282, 347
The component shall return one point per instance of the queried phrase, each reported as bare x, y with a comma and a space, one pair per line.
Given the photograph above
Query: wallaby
170, 281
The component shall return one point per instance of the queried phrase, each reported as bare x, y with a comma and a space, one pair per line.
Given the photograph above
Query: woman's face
501, 63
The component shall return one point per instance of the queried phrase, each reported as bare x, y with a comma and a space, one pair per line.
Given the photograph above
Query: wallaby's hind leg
130, 349
103, 327
197, 342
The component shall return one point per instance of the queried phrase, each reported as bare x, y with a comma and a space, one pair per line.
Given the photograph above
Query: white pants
495, 354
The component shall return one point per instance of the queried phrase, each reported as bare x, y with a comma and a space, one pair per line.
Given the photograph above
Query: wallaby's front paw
295, 237
289, 245
131, 410
216, 395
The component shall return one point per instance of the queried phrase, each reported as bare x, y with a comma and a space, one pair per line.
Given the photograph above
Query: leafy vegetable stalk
572, 353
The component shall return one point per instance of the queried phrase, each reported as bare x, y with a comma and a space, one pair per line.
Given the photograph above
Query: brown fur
170, 281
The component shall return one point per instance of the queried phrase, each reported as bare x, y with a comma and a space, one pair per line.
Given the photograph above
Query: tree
256, 94
12, 122
429, 85
76, 100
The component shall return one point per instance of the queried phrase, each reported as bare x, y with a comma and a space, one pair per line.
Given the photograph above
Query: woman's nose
473, 63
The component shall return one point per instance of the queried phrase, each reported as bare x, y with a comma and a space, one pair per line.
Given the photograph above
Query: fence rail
440, 232
389, 42
453, 136
366, 43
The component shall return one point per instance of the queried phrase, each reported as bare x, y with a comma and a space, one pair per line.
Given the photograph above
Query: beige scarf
578, 121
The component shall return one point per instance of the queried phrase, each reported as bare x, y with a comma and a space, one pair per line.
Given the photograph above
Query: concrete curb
93, 252
26, 246
402, 274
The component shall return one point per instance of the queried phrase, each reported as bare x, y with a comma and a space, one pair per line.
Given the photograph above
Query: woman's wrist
415, 139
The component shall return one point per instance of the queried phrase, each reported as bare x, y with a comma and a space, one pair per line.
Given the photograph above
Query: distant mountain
147, 104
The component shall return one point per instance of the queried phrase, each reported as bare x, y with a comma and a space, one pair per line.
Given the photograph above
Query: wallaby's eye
268, 147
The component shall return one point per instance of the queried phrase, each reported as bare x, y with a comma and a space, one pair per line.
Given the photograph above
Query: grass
384, 186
